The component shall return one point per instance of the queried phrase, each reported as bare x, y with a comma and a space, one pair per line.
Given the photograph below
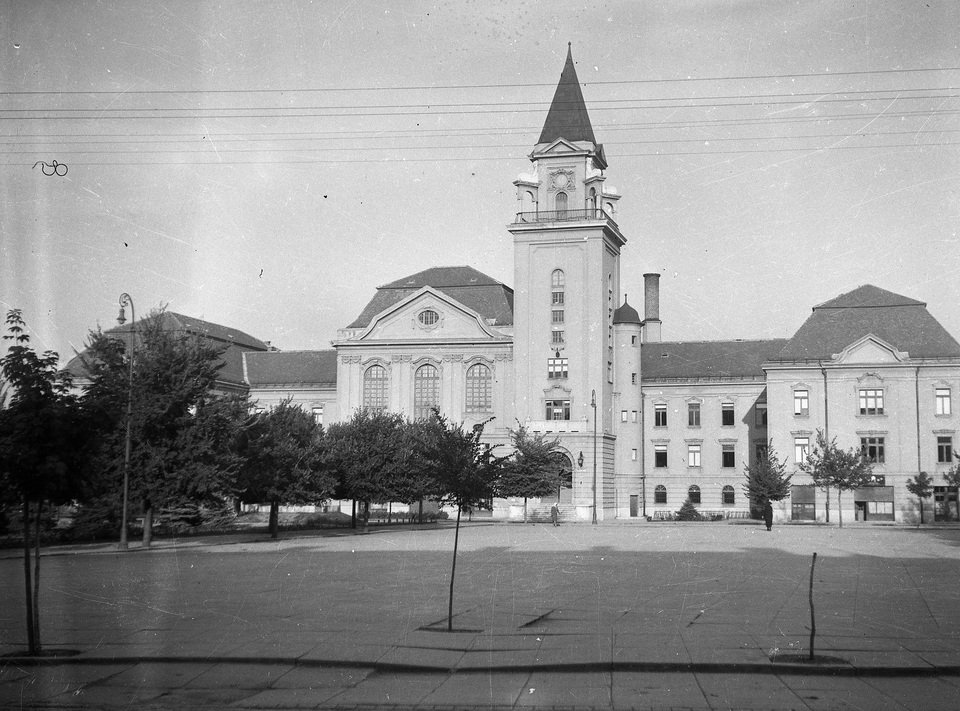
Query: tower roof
568, 116
626, 314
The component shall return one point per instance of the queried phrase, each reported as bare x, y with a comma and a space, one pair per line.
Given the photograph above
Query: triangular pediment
428, 315
560, 147
870, 349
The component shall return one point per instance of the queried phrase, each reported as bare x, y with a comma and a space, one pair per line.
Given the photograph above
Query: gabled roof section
903, 323
235, 342
568, 116
291, 368
707, 359
490, 298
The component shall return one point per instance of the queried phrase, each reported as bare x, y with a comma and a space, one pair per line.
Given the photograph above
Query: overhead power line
671, 80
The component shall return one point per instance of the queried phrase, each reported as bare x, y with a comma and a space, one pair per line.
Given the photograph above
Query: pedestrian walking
768, 515
555, 513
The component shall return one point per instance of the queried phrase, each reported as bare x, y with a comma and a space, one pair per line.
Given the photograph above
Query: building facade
644, 424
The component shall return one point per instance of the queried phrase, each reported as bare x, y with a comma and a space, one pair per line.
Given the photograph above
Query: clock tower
567, 285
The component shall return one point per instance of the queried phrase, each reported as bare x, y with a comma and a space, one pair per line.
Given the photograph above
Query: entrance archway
564, 495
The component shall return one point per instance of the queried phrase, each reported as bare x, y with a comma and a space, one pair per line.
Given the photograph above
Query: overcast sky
266, 165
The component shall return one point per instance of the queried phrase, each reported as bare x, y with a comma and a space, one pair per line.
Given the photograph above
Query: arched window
375, 388
557, 279
479, 388
693, 493
728, 495
660, 494
426, 391
561, 203
592, 204
528, 203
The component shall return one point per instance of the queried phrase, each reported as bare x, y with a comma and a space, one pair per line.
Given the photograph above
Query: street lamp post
593, 404
125, 300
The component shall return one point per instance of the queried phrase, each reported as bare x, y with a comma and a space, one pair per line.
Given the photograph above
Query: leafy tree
41, 444
829, 466
532, 470
921, 486
688, 512
282, 453
767, 479
466, 471
180, 449
371, 456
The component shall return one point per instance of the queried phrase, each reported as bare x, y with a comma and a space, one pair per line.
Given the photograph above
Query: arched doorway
564, 494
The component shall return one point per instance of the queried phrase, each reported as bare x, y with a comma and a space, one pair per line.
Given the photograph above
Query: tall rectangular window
660, 456
479, 387
633, 415
871, 401
633, 455
944, 449
693, 414
633, 378
318, 414
726, 415
693, 455
801, 448
623, 415
760, 416
556, 368
728, 458
801, 402
375, 388
659, 415
872, 448
943, 401
558, 409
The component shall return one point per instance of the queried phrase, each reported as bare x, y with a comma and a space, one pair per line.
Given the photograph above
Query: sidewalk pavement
576, 617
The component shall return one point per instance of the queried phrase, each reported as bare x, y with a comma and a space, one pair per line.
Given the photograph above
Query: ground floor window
660, 494
728, 495
874, 503
693, 493
945, 503
803, 503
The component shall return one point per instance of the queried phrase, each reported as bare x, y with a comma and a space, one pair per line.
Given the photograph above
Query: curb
773, 668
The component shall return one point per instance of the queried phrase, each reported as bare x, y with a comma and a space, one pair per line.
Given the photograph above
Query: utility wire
674, 80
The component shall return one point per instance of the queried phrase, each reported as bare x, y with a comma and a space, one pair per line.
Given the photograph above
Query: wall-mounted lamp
580, 460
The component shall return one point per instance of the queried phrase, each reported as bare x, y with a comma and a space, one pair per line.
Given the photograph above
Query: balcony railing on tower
593, 213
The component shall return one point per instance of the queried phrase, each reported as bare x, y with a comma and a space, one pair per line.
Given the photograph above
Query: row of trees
195, 448
830, 467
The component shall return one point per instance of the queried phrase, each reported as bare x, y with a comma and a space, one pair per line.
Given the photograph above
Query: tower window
556, 337
558, 409
557, 279
871, 402
556, 368
561, 203
556, 316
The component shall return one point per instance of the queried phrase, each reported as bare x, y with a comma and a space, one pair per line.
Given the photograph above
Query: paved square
583, 616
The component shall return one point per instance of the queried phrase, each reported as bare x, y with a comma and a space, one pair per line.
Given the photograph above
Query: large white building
643, 423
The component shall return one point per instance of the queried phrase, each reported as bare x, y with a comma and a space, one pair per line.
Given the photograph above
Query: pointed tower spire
568, 117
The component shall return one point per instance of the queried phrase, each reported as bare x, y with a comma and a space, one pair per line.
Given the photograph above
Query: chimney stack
651, 308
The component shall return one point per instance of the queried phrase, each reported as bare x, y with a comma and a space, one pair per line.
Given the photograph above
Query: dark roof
707, 359
490, 298
291, 367
626, 314
568, 116
902, 322
236, 342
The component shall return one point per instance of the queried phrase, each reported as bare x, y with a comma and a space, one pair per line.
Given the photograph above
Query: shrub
688, 512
